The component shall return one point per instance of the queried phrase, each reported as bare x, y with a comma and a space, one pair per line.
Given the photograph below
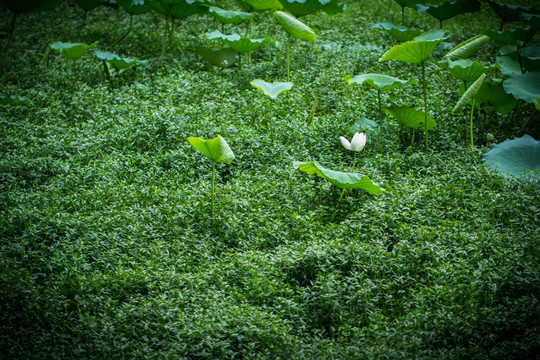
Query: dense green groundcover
108, 249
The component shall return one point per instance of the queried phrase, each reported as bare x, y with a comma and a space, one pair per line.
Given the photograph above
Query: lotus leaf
238, 43
519, 157
467, 48
72, 51
260, 5
415, 51
340, 179
507, 12
215, 149
301, 8
465, 70
88, 5
470, 93
225, 57
448, 10
135, 7
514, 36
229, 17
24, 6
378, 81
528, 56
272, 90
179, 9
398, 32
523, 86
495, 96
365, 125
410, 118
118, 63
295, 27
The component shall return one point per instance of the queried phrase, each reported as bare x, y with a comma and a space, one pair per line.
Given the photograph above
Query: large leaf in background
417, 50
410, 118
465, 70
259, 5
507, 12
229, 17
523, 86
509, 61
507, 65
179, 9
23, 6
295, 27
134, 7
225, 57
272, 90
119, 63
378, 81
215, 149
340, 179
408, 3
88, 5
470, 93
398, 32
467, 48
518, 157
494, 95
513, 37
448, 10
238, 43
72, 51
301, 8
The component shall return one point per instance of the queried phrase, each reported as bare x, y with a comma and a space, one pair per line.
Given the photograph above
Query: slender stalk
354, 162
84, 23
380, 116
471, 121
425, 103
288, 57
412, 139
11, 28
403, 15
164, 45
270, 122
352, 170
126, 34
440, 23
213, 187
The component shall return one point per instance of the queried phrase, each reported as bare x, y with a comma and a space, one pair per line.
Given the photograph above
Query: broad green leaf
467, 48
340, 179
410, 118
434, 35
495, 96
13, 100
135, 7
398, 32
72, 51
366, 126
378, 81
271, 90
261, 5
470, 93
448, 10
225, 57
238, 43
523, 86
515, 36
215, 149
465, 70
518, 157
509, 61
179, 9
507, 12
229, 17
301, 8
295, 27
408, 3
119, 63
417, 50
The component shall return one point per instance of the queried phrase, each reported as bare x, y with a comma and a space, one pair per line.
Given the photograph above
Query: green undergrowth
108, 249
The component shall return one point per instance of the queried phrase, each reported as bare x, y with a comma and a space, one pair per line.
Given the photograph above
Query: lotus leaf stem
213, 187
471, 122
425, 103
288, 57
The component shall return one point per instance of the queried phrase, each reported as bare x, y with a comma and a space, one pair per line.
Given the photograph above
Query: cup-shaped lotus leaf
340, 179
134, 7
400, 33
467, 48
493, 94
378, 81
465, 70
225, 57
514, 36
272, 90
116, 61
507, 12
410, 118
523, 86
301, 8
215, 149
417, 50
448, 10
229, 16
295, 27
13, 100
260, 5
88, 5
24, 6
518, 157
238, 43
72, 51
470, 93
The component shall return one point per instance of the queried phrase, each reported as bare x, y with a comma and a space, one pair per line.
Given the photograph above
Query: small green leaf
238, 43
470, 93
523, 86
118, 62
340, 179
378, 81
399, 33
229, 17
271, 90
72, 51
518, 157
413, 119
215, 149
467, 48
295, 27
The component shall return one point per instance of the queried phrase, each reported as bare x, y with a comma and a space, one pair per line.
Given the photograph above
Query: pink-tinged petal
346, 144
358, 141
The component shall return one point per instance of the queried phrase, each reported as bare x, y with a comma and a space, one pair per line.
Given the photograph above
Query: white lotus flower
357, 143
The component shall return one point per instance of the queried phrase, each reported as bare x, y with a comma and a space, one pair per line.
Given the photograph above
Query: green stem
413, 133
380, 116
288, 57
425, 103
341, 196
164, 45
126, 34
354, 162
403, 15
213, 187
471, 122
270, 122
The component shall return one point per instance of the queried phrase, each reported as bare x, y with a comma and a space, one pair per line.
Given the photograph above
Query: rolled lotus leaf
272, 90
519, 157
238, 43
228, 16
295, 27
467, 48
215, 149
398, 32
340, 179
523, 86
72, 51
378, 81
410, 118
470, 93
